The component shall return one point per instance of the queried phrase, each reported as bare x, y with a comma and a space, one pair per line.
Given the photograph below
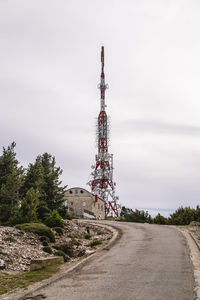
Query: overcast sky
49, 71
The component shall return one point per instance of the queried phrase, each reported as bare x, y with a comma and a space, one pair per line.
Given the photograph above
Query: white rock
2, 264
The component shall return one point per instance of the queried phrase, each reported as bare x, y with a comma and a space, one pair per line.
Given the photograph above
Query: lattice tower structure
102, 184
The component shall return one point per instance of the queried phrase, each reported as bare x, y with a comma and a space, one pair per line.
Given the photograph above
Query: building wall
77, 200
98, 208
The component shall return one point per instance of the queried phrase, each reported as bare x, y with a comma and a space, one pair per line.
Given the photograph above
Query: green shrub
42, 210
74, 235
138, 216
87, 236
75, 242
44, 238
16, 219
9, 239
67, 248
59, 230
81, 252
47, 249
160, 220
53, 219
64, 213
61, 253
68, 216
95, 243
37, 228
183, 216
45, 243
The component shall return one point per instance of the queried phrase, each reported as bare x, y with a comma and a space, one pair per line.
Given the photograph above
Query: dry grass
9, 282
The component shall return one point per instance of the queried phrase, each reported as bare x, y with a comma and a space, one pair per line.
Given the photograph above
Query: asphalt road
149, 262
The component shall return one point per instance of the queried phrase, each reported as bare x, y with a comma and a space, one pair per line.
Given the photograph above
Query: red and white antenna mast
102, 184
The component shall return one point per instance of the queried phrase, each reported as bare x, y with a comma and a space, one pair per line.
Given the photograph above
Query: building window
84, 203
76, 192
71, 203
102, 207
81, 192
70, 192
98, 206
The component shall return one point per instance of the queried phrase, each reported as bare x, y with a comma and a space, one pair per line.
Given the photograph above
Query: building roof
74, 188
77, 187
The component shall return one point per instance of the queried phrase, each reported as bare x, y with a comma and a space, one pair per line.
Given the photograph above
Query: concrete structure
82, 203
39, 263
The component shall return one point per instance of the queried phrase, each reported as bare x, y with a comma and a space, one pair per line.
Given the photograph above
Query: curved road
149, 262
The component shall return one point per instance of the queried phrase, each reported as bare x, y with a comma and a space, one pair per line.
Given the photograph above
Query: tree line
30, 194
35, 194
182, 216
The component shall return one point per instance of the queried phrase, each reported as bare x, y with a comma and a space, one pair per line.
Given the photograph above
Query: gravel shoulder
192, 235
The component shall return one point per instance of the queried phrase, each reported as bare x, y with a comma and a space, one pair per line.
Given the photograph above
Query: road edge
20, 294
195, 258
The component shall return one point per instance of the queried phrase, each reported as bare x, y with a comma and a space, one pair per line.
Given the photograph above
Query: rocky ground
17, 247
194, 229
192, 235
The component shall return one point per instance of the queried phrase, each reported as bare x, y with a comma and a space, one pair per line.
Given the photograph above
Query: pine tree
29, 206
52, 190
11, 179
43, 176
34, 179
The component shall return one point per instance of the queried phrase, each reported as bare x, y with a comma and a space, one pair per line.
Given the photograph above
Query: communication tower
101, 182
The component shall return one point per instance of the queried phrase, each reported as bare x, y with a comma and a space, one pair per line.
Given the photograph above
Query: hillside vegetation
32, 194
35, 194
182, 216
